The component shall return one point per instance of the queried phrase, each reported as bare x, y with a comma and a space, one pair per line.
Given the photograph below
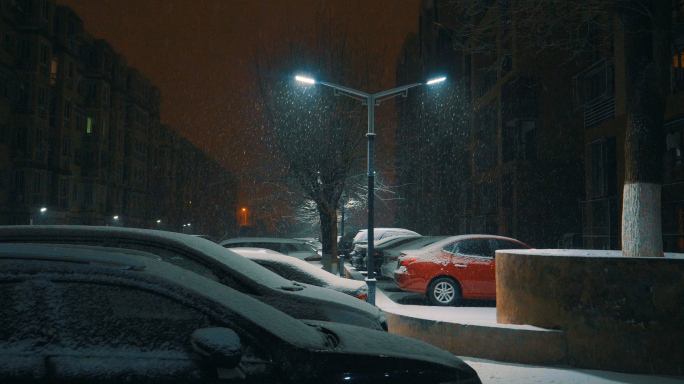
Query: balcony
594, 91
599, 110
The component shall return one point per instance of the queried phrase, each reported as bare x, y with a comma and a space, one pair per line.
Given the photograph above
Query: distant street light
42, 210
244, 210
371, 100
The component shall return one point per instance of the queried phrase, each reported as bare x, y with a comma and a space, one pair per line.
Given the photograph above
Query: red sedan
457, 267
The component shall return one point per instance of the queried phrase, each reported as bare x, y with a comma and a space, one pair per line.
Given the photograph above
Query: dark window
497, 244
271, 246
271, 268
288, 248
451, 248
474, 247
602, 168
122, 316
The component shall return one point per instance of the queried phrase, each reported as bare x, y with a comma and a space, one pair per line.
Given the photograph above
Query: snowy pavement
490, 371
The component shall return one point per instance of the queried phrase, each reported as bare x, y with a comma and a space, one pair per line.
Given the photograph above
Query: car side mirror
221, 347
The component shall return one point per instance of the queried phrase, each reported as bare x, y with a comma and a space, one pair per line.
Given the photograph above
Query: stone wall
619, 313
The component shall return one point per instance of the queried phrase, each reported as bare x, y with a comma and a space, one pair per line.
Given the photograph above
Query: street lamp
371, 100
244, 210
42, 213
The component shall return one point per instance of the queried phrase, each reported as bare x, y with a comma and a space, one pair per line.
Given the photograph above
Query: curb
499, 342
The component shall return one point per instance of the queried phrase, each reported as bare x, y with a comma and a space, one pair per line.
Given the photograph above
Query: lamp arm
384, 95
347, 91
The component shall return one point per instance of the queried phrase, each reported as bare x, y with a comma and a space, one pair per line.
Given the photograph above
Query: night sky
200, 52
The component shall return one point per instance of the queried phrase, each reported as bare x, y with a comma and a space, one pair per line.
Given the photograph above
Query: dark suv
78, 315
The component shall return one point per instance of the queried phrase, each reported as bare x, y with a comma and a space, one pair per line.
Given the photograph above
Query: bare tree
578, 28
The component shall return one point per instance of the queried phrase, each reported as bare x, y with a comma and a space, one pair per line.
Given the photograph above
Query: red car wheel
444, 292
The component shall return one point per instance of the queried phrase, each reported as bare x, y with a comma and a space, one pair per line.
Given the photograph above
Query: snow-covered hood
302, 271
333, 305
366, 342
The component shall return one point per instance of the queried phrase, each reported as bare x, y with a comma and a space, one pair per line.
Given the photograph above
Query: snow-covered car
454, 268
358, 260
312, 242
379, 234
291, 247
303, 272
299, 300
388, 250
391, 252
83, 315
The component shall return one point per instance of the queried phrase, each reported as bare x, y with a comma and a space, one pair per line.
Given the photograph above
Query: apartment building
519, 164
546, 146
601, 95
82, 138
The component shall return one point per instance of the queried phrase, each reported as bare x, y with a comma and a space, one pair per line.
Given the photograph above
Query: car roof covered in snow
448, 240
262, 240
109, 236
378, 232
390, 240
43, 260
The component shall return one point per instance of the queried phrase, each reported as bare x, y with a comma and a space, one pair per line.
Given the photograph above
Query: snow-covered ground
492, 372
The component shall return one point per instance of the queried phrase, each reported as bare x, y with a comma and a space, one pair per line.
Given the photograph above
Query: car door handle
461, 265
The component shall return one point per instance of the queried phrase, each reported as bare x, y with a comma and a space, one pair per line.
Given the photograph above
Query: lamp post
244, 210
371, 100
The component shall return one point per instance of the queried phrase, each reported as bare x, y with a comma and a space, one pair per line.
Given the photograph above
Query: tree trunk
647, 54
328, 236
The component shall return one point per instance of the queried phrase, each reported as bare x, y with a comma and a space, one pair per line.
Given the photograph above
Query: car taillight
362, 297
312, 258
406, 261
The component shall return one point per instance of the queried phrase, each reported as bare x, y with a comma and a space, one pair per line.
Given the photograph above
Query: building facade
545, 149
82, 140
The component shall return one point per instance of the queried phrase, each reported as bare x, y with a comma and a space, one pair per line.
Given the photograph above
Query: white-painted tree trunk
641, 224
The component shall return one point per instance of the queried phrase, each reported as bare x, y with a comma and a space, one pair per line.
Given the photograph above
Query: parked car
381, 233
205, 237
299, 300
454, 268
391, 251
345, 242
303, 272
82, 315
291, 247
312, 242
359, 259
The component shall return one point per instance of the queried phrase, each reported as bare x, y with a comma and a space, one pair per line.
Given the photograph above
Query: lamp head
436, 80
306, 80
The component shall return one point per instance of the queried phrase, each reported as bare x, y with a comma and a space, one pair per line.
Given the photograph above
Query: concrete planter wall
619, 313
